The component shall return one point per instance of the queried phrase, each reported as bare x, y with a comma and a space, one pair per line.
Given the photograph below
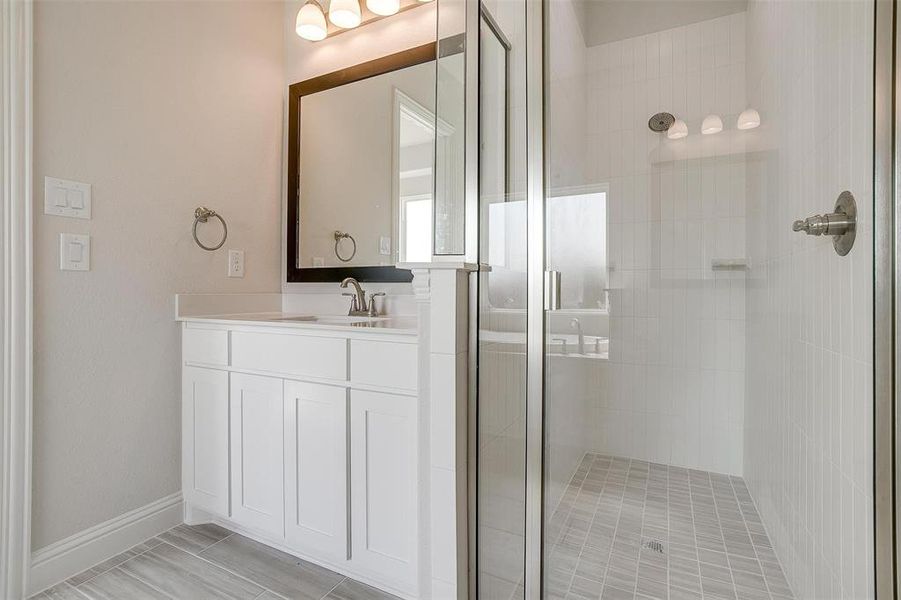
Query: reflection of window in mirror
414, 181
577, 245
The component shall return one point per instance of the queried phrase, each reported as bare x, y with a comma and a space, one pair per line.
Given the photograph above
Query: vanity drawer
204, 346
309, 356
385, 364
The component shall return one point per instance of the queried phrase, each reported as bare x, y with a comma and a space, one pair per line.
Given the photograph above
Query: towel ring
201, 215
340, 235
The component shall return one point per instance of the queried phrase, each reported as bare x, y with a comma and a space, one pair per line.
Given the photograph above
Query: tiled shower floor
632, 529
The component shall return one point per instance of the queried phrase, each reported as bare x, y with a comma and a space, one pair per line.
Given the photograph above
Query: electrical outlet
236, 263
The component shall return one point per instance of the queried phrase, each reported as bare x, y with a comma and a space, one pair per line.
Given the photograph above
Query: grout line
231, 533
334, 588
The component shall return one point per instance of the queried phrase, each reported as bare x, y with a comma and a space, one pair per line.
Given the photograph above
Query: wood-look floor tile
275, 570
62, 591
116, 585
185, 576
354, 590
103, 567
195, 538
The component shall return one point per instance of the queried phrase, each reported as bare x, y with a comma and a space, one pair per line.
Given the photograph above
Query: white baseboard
65, 558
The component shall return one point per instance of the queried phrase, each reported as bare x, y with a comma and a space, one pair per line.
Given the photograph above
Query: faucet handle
353, 301
372, 311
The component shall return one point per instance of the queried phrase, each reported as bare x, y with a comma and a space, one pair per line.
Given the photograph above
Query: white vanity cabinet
307, 439
316, 469
257, 452
205, 439
384, 482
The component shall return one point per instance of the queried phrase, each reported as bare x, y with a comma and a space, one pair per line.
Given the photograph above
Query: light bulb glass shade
344, 13
711, 124
748, 119
310, 23
677, 130
383, 7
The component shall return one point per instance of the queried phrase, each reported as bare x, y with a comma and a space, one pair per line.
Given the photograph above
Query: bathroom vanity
303, 433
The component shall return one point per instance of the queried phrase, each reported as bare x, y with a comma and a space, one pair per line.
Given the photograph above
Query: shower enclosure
675, 392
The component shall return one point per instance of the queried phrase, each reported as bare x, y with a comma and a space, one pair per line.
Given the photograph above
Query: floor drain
653, 545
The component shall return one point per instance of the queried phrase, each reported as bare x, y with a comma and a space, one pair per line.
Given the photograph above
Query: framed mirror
361, 162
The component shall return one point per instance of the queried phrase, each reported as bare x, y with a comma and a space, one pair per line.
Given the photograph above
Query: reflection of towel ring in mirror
340, 235
201, 215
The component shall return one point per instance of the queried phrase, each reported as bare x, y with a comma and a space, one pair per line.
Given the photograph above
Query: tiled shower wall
673, 389
808, 413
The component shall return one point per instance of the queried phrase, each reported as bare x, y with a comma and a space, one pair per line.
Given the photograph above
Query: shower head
661, 122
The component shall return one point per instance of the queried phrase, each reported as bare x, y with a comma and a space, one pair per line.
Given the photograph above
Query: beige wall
162, 106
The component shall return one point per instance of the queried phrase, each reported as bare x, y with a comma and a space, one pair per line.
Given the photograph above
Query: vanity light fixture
345, 13
310, 24
748, 119
711, 124
384, 8
677, 130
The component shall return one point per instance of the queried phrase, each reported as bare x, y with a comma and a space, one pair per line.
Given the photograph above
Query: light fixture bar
367, 16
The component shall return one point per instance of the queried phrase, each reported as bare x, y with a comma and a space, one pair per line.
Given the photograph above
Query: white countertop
404, 325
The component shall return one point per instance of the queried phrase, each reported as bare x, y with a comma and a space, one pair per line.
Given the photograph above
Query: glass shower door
708, 371
502, 303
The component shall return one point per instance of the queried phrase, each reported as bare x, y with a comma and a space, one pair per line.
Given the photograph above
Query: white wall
162, 106
672, 391
809, 408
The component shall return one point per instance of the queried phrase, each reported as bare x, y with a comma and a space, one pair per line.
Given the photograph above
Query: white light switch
74, 252
385, 245
64, 198
236, 263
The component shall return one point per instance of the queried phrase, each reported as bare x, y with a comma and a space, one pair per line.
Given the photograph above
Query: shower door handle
552, 288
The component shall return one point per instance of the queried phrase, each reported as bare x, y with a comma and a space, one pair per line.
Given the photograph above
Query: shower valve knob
840, 224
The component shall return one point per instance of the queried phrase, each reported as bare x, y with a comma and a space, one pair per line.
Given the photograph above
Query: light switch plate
236, 263
74, 252
385, 245
64, 198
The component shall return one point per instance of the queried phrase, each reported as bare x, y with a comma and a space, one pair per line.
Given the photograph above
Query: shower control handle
829, 224
841, 224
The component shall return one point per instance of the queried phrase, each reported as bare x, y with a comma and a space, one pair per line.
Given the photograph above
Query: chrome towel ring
340, 235
201, 215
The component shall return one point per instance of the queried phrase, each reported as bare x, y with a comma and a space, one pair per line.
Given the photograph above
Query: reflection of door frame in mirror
488, 19
415, 110
296, 91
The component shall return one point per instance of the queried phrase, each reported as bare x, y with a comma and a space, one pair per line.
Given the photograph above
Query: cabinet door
384, 483
205, 439
257, 430
316, 469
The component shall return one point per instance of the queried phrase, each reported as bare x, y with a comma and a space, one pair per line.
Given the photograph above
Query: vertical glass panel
502, 302
708, 412
449, 213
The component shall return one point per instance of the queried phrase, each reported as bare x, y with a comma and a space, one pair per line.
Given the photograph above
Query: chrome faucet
358, 298
577, 325
358, 306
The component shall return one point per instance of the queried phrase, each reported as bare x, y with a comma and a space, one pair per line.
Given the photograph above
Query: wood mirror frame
296, 92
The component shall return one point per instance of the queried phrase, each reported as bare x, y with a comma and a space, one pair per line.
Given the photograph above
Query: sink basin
345, 319
303, 318
332, 319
